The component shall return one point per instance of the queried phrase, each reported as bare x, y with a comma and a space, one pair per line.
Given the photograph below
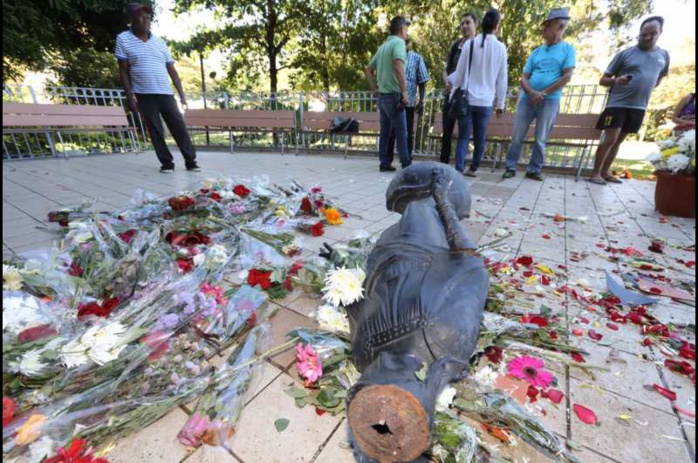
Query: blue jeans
476, 119
392, 118
544, 114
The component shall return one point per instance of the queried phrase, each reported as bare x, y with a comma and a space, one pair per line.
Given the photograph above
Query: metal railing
576, 99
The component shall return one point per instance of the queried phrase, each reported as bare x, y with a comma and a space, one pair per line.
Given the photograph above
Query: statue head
417, 182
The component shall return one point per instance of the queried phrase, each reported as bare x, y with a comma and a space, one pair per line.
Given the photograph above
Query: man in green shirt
386, 77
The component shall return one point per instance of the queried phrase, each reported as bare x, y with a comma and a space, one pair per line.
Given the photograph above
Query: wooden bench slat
55, 120
49, 109
241, 119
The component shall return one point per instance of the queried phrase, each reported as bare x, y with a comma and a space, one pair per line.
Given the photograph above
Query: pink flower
308, 363
194, 429
531, 370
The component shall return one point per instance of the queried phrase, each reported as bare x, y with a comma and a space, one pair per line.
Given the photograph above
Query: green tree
39, 33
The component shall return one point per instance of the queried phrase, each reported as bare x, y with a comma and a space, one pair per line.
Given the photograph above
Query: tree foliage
37, 34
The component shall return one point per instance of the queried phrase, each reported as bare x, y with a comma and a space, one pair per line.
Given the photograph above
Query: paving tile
284, 321
639, 439
337, 449
305, 304
257, 439
207, 454
156, 443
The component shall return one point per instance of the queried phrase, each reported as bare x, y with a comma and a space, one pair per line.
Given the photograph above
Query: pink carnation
308, 362
531, 370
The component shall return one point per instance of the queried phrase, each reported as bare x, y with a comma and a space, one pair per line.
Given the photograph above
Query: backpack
344, 125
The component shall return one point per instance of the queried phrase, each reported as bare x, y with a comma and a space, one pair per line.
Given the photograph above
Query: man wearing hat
548, 69
386, 77
145, 67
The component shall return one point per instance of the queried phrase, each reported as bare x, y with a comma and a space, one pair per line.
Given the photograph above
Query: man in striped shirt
145, 66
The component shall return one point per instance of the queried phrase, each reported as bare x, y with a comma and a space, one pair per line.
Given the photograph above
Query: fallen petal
585, 415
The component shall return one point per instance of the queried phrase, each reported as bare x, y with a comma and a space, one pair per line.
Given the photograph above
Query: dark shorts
628, 120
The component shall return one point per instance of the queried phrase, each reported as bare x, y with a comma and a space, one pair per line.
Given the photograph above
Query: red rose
493, 354
306, 206
185, 265
93, 308
77, 452
318, 229
241, 190
8, 411
295, 268
259, 277
524, 260
288, 283
126, 236
186, 240
181, 203
37, 332
216, 197
75, 270
535, 320
532, 393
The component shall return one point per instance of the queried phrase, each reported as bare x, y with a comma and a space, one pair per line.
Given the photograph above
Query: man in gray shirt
631, 76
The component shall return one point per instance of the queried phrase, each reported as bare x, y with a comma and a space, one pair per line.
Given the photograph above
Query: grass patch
639, 169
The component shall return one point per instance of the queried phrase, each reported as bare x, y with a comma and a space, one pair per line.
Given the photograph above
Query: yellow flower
332, 216
670, 152
30, 430
11, 278
281, 212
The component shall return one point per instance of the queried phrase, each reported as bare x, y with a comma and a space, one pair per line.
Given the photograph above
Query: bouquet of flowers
677, 154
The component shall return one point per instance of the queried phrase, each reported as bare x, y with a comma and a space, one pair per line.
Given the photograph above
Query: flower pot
675, 194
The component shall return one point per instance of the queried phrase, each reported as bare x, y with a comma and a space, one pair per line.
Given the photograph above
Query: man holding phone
631, 76
386, 77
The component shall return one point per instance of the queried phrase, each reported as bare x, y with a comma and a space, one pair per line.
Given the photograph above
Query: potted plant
675, 169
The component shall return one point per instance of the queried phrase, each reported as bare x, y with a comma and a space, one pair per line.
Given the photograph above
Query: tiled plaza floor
618, 215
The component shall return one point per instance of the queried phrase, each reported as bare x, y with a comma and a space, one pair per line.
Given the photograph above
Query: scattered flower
8, 411
332, 216
343, 286
30, 430
585, 415
308, 363
531, 370
445, 399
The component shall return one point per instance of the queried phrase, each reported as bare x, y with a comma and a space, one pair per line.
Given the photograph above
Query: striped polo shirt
147, 62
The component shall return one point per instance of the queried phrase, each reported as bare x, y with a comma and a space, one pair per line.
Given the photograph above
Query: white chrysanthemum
654, 157
104, 344
11, 278
501, 232
226, 194
446, 398
687, 142
343, 286
31, 364
20, 313
74, 354
677, 162
486, 376
332, 319
665, 144
42, 448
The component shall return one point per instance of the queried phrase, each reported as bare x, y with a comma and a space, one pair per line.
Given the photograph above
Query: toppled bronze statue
425, 292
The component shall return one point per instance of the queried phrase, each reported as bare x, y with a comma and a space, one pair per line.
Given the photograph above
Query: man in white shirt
482, 74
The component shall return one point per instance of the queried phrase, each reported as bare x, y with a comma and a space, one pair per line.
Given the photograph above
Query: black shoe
167, 170
194, 168
387, 169
509, 173
470, 173
534, 176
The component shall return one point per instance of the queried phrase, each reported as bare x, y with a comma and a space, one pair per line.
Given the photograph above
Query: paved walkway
618, 215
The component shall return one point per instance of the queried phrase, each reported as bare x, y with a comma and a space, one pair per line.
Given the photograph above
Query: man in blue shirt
416, 76
145, 67
548, 69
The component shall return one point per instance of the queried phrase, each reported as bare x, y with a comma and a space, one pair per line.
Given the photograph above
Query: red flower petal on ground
577, 357
241, 190
203, 191
647, 342
577, 332
493, 354
688, 351
585, 415
318, 229
8, 411
37, 332
524, 260
671, 395
681, 367
528, 274
690, 263
657, 247
545, 280
595, 336
216, 197
584, 320
320, 411
535, 320
532, 393
634, 317
306, 206
612, 326
554, 395
655, 290
546, 236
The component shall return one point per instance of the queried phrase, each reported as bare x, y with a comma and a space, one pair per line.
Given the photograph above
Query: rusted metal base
389, 424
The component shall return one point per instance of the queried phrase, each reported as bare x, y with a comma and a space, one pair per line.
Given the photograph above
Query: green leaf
327, 398
545, 311
573, 445
281, 424
421, 374
296, 392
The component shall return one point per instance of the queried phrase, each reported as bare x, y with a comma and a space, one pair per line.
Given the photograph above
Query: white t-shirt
487, 85
147, 61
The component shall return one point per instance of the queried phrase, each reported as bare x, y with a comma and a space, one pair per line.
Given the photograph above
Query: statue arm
455, 235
